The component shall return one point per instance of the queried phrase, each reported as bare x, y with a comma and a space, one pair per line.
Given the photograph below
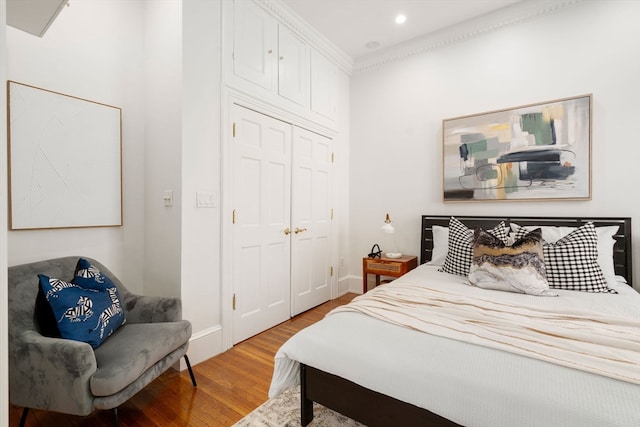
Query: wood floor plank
230, 386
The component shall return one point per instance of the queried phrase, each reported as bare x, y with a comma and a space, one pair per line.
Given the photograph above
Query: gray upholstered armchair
70, 376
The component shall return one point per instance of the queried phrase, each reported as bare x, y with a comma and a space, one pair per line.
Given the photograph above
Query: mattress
469, 384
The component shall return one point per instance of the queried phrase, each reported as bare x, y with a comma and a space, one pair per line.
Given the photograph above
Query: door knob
299, 230
287, 231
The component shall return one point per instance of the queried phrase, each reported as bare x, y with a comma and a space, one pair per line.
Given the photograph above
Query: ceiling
351, 24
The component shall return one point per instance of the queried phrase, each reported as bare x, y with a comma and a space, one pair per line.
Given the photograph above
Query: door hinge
233, 217
234, 301
332, 157
331, 271
233, 129
331, 213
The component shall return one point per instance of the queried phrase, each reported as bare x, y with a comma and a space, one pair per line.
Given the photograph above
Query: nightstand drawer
390, 267
381, 267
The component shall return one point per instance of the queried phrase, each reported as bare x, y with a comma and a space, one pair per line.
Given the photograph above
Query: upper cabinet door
272, 61
323, 86
293, 60
255, 38
34, 16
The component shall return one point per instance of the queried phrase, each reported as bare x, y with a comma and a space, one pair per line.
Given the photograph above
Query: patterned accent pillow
516, 268
572, 262
460, 250
88, 276
88, 309
44, 317
606, 242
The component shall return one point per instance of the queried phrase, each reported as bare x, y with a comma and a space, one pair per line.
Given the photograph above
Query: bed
383, 372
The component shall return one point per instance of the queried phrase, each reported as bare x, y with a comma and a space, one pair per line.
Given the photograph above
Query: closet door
261, 175
323, 86
293, 67
255, 44
310, 220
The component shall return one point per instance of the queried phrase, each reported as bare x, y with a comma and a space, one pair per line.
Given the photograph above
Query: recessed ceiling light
400, 18
372, 45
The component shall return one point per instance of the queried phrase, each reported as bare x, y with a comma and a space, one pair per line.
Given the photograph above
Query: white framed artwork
65, 160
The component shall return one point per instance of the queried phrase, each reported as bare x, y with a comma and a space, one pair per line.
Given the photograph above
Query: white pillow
605, 242
440, 244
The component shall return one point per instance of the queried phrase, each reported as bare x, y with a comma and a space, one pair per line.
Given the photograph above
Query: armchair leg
193, 378
116, 420
23, 418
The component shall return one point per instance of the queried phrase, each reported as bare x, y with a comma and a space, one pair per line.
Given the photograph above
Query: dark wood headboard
622, 257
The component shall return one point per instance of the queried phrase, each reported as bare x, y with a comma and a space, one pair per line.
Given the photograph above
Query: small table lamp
388, 228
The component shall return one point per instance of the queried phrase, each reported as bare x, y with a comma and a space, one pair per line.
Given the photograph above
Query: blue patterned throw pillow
88, 309
88, 276
44, 317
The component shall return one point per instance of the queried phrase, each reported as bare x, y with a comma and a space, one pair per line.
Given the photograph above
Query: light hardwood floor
230, 386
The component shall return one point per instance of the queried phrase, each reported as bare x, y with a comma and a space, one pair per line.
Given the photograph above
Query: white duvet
476, 385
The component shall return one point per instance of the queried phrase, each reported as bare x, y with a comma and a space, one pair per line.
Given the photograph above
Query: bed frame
622, 257
375, 409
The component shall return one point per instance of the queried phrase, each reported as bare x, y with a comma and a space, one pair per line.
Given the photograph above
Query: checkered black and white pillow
572, 262
460, 251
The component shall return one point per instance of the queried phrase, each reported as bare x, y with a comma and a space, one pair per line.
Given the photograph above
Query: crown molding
314, 38
515, 14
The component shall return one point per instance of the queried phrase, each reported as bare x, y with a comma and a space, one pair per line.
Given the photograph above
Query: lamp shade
388, 227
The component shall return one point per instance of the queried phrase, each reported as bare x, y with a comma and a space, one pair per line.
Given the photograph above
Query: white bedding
467, 383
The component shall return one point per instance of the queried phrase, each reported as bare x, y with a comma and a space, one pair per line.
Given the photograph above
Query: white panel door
293, 74
261, 163
311, 220
254, 44
323, 85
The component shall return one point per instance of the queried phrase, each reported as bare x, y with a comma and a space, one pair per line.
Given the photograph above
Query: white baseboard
202, 346
349, 284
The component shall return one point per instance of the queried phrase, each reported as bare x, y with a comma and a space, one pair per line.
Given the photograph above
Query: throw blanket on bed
583, 340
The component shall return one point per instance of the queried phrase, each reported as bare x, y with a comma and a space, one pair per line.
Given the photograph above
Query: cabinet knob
270, 51
281, 58
287, 231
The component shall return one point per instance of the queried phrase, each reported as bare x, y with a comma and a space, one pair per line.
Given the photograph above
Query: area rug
284, 411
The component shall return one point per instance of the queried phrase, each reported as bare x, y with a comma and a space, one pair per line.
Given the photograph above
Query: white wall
4, 335
341, 182
201, 144
397, 112
162, 58
93, 50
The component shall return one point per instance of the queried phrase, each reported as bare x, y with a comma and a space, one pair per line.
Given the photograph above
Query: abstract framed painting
532, 152
65, 160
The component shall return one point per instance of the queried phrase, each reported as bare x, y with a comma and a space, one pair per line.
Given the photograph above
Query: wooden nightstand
391, 267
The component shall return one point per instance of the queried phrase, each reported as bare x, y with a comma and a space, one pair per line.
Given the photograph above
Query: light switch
168, 197
205, 199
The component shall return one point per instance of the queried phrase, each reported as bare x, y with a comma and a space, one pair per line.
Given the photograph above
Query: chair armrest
51, 373
152, 309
